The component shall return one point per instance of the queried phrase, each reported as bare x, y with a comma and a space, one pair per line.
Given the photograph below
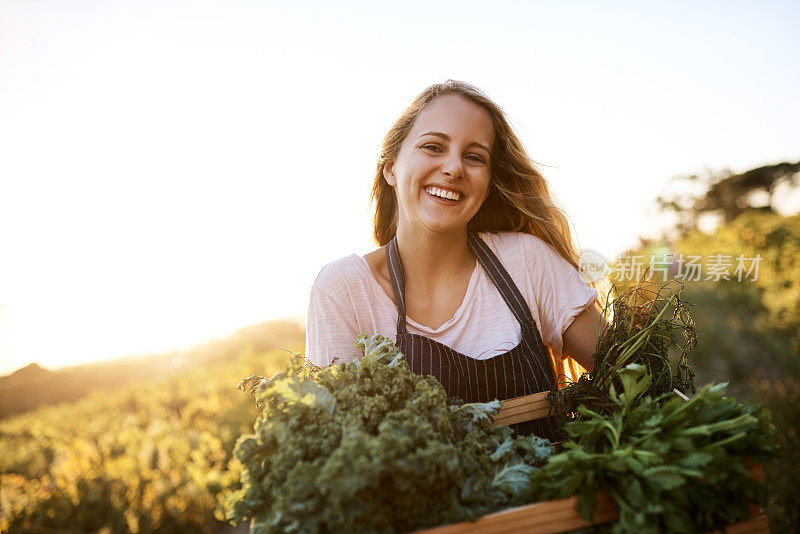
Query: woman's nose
453, 166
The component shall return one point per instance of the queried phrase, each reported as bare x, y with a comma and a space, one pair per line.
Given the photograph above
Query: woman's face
441, 175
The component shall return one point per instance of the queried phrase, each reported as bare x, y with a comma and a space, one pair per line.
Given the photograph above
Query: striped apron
523, 370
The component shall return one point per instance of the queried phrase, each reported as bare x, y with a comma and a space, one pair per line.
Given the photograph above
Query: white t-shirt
347, 300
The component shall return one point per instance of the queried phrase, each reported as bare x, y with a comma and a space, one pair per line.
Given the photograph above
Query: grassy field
153, 455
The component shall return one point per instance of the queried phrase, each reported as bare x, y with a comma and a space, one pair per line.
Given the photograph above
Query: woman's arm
580, 339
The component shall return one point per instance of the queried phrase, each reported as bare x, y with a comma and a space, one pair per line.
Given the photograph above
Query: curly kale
369, 446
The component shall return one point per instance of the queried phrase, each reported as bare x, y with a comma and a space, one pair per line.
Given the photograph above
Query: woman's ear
388, 173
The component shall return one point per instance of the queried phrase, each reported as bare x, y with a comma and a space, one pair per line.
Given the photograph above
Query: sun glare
56, 336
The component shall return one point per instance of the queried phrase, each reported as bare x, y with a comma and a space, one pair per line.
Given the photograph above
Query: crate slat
547, 517
521, 409
758, 524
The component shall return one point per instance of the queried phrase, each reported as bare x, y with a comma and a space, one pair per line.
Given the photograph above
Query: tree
726, 194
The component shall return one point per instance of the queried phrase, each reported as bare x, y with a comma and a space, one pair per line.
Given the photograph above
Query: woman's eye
431, 147
475, 158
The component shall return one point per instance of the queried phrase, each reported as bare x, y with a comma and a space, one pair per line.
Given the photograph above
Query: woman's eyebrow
447, 138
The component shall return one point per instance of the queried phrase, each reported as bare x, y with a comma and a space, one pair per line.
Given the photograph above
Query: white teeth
442, 193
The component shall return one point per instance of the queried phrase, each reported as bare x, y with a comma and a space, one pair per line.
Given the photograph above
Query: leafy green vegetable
671, 465
644, 327
368, 446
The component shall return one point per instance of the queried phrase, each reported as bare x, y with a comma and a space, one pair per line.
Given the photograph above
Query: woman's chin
446, 227
438, 223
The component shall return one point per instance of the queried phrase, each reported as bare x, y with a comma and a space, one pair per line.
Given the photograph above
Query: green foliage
776, 239
645, 325
369, 446
750, 334
728, 194
152, 457
671, 465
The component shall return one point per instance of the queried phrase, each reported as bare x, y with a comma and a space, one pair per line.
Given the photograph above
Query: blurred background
173, 175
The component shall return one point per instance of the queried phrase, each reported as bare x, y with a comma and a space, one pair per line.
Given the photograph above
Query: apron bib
523, 370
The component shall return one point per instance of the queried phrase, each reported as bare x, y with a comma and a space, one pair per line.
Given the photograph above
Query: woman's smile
442, 195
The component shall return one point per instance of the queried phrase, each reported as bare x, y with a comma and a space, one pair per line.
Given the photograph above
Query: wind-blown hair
519, 197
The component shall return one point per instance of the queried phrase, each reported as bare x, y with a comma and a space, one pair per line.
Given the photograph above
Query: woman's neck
430, 258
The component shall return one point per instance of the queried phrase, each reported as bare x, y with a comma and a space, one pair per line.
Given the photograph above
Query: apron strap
502, 280
491, 264
398, 283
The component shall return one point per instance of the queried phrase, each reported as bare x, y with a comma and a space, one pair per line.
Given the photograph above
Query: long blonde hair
519, 197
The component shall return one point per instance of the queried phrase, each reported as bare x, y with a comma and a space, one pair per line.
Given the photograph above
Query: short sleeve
331, 328
558, 289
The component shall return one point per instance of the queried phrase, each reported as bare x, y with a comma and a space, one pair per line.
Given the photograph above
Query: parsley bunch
671, 465
646, 324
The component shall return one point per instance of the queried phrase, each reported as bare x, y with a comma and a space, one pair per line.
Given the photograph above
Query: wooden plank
547, 517
517, 409
758, 524
519, 418
525, 399
525, 409
520, 409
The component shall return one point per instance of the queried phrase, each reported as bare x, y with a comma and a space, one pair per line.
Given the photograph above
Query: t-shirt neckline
469, 296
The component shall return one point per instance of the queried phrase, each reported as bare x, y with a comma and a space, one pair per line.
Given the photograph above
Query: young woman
476, 275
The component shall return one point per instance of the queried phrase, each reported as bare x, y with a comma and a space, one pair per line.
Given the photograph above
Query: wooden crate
562, 515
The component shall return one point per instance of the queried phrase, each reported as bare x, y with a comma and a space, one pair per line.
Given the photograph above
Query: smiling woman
475, 278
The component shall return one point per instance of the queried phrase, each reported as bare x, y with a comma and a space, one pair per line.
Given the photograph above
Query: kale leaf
369, 446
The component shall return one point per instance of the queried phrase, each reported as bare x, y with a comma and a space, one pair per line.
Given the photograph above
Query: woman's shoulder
341, 273
525, 254
506, 243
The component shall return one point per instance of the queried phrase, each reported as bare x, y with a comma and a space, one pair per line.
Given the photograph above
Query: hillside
32, 386
150, 456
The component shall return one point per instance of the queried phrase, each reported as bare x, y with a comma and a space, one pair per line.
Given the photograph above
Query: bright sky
171, 171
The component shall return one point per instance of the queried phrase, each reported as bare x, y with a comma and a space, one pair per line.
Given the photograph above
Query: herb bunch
646, 323
369, 446
671, 465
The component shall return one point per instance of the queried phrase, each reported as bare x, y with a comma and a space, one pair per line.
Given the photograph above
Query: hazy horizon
158, 349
